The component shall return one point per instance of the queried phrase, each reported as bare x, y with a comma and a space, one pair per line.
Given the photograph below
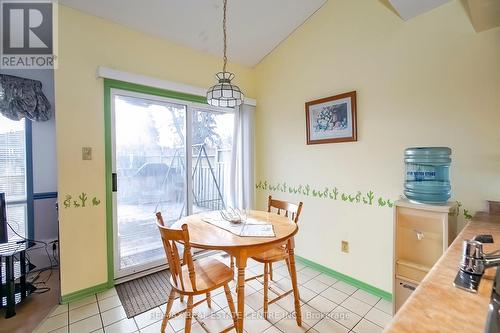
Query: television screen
3, 220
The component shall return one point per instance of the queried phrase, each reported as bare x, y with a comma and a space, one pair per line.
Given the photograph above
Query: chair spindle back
291, 210
170, 238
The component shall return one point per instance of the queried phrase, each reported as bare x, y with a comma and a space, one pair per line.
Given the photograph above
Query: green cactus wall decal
334, 193
330, 193
370, 195
67, 201
83, 199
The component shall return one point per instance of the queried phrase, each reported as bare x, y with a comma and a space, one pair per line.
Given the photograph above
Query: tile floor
328, 305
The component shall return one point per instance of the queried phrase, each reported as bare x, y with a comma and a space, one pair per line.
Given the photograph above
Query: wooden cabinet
422, 233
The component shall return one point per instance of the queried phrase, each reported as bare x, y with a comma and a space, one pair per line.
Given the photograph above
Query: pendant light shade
224, 93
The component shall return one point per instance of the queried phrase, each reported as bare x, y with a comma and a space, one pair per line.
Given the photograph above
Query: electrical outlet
86, 153
345, 246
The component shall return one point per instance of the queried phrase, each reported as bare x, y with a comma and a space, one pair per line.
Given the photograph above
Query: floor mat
145, 293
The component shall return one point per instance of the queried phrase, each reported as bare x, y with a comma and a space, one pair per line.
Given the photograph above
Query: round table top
208, 236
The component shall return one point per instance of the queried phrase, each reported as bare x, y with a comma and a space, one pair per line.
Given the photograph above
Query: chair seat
210, 274
275, 254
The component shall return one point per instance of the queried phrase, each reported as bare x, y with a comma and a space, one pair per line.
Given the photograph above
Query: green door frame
114, 84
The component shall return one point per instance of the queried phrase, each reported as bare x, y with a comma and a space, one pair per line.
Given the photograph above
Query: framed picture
331, 119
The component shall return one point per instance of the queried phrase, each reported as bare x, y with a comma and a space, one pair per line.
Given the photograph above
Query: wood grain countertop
436, 305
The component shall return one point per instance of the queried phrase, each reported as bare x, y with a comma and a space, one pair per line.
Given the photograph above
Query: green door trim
108, 86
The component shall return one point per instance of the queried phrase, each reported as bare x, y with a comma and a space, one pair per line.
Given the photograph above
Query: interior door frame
161, 95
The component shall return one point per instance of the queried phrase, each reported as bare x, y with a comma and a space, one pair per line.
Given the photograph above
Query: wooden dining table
207, 236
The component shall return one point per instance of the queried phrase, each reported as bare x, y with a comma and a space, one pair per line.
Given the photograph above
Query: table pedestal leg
241, 263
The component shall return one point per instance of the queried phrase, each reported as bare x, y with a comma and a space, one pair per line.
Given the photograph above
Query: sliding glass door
168, 156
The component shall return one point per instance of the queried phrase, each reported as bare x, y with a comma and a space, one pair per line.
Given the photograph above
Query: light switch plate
86, 153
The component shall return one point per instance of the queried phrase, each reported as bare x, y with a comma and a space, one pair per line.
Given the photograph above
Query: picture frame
331, 119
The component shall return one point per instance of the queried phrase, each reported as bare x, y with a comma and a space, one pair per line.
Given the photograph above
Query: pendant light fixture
224, 93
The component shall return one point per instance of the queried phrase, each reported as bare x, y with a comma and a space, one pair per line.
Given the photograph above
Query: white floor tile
366, 297
309, 271
61, 308
113, 315
82, 302
255, 322
289, 325
255, 285
283, 284
378, 317
255, 301
322, 304
87, 325
123, 326
272, 329
156, 327
310, 315
358, 307
65, 330
53, 323
109, 303
385, 306
344, 287
330, 326
306, 294
364, 326
344, 317
303, 278
216, 322
328, 280
107, 293
83, 312
315, 285
276, 313
147, 318
288, 303
334, 295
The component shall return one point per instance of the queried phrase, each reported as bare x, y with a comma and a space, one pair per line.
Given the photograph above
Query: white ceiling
408, 9
255, 27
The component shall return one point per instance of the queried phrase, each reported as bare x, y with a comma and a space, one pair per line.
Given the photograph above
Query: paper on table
249, 228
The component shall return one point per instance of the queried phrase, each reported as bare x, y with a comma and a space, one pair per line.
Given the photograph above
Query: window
13, 174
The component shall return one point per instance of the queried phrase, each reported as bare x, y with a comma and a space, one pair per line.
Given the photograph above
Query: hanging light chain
225, 37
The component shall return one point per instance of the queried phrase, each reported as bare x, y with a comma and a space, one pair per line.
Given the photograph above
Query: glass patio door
150, 172
169, 156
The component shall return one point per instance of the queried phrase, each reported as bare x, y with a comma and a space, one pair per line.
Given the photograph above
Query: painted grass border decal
333, 193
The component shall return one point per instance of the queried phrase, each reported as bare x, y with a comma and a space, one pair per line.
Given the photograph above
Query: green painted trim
108, 85
108, 178
154, 91
80, 294
347, 279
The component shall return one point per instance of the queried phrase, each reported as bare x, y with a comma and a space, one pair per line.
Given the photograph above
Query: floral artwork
331, 119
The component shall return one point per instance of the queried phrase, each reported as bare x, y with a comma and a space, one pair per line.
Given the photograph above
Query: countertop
436, 305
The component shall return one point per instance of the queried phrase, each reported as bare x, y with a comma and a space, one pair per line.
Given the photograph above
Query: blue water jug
428, 174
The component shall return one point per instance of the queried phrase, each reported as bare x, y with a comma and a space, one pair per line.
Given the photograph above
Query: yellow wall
430, 81
86, 42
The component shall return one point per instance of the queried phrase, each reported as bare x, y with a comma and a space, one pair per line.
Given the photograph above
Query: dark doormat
145, 293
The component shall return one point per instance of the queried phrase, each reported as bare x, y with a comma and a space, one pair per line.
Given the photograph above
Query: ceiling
408, 9
255, 27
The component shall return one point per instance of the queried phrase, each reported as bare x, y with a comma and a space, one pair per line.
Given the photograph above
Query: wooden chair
279, 253
191, 278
